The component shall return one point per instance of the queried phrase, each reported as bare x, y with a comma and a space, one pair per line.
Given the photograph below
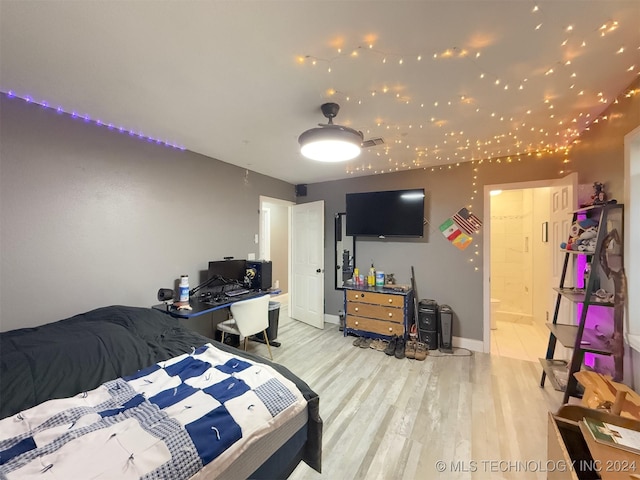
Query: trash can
274, 316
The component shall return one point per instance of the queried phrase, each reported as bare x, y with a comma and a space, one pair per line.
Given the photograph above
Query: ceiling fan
333, 143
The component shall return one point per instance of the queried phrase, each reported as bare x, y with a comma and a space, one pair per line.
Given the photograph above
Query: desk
203, 305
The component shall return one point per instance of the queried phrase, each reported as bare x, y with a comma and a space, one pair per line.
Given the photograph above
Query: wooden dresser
377, 313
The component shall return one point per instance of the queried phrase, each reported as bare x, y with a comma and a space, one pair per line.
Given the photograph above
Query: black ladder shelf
577, 337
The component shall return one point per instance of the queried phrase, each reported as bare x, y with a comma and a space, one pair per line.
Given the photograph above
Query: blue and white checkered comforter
167, 421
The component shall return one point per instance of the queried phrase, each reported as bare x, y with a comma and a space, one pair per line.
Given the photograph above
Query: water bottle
184, 288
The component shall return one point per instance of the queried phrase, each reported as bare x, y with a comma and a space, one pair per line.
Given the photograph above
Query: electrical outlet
251, 256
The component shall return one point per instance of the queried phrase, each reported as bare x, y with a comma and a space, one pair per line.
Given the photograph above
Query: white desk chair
249, 317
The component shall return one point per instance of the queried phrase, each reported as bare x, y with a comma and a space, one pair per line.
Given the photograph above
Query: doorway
274, 241
519, 272
528, 289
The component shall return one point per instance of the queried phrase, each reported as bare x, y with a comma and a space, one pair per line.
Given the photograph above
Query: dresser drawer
390, 314
374, 326
376, 298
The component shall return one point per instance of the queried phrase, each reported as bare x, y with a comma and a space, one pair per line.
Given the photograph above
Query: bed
127, 392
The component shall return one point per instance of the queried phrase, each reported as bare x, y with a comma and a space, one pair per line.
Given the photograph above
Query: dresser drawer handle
390, 315
356, 309
391, 329
357, 296
357, 323
391, 300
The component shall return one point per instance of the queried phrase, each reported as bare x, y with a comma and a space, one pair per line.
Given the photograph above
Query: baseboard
468, 343
334, 319
473, 345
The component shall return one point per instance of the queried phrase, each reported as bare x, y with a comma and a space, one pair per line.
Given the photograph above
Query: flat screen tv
396, 213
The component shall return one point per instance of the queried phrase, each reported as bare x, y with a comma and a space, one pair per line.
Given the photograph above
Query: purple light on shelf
11, 94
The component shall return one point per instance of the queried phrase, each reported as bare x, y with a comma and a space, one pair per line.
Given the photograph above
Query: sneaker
366, 342
410, 349
391, 348
400, 347
357, 341
421, 351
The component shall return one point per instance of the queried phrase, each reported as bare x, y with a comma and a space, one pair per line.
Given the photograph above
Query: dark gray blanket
80, 353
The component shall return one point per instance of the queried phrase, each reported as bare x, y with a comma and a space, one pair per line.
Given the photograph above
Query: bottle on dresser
371, 279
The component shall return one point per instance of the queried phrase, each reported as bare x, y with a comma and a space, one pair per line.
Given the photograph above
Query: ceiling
441, 82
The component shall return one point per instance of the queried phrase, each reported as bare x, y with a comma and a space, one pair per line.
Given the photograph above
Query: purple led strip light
87, 119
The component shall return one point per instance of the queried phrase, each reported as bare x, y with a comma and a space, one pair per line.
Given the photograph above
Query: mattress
78, 354
208, 414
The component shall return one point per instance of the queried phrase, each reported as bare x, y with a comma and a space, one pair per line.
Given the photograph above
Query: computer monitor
227, 272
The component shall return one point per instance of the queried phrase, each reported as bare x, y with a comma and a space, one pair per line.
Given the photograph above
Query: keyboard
235, 293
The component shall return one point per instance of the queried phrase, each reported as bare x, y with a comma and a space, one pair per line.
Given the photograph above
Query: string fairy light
567, 126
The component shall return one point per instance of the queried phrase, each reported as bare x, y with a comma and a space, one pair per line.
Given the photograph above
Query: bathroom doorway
519, 272
528, 229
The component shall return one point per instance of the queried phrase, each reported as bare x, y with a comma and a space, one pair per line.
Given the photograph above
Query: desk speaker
165, 294
260, 274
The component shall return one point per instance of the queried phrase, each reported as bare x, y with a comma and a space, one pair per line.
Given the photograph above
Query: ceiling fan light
331, 143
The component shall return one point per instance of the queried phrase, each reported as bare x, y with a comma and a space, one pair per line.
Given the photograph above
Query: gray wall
443, 272
90, 217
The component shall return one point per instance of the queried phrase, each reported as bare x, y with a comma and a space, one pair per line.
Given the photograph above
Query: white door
564, 192
306, 285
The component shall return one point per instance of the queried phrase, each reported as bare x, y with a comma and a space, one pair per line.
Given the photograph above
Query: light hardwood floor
386, 418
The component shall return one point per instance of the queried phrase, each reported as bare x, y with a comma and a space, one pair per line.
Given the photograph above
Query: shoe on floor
357, 341
382, 346
421, 351
366, 342
410, 349
391, 348
400, 346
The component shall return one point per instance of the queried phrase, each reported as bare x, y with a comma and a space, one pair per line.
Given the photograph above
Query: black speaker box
301, 190
430, 338
262, 271
428, 323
